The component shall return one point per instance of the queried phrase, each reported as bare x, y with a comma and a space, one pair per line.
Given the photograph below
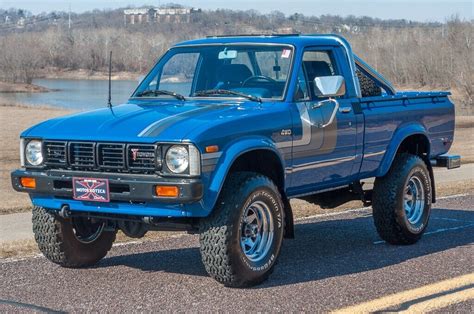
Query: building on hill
158, 15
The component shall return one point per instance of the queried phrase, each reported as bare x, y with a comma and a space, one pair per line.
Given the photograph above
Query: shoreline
7, 88
84, 74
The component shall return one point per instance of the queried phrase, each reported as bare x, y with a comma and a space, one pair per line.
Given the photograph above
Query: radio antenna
109, 102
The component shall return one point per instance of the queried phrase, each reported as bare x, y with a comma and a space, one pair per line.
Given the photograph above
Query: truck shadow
323, 249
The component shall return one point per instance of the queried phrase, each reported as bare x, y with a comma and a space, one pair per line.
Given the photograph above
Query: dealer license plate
91, 189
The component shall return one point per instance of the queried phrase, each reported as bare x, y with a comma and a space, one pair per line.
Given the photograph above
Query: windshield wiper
211, 92
157, 92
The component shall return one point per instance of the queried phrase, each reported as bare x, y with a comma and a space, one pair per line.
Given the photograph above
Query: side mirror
329, 86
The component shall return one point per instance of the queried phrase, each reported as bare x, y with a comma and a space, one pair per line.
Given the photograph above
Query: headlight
34, 152
183, 159
177, 159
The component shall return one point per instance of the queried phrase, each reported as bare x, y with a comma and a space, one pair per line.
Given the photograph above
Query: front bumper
130, 188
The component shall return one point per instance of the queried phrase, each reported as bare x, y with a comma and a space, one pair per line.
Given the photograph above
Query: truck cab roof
296, 40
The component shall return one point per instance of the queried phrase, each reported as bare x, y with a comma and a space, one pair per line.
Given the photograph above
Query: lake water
77, 94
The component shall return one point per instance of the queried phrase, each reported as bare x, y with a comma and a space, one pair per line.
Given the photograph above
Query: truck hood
135, 122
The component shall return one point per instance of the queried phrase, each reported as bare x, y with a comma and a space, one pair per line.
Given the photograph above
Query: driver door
330, 155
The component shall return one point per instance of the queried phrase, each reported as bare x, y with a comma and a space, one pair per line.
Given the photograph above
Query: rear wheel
75, 242
241, 240
402, 201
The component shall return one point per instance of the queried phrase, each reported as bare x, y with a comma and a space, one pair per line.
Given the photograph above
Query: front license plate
91, 189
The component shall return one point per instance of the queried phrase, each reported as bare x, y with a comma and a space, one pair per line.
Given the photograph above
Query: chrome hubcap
257, 231
414, 200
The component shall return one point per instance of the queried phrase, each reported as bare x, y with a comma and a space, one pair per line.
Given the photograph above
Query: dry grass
21, 248
464, 139
13, 120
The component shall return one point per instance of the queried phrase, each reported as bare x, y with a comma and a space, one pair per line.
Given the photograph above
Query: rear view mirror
227, 54
329, 86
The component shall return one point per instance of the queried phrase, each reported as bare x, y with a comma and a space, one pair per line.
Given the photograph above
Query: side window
301, 87
316, 64
368, 87
178, 73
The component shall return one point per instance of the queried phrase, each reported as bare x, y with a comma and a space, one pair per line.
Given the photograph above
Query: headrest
316, 69
233, 73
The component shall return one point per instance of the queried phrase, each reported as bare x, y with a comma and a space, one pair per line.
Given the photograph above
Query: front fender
398, 137
230, 154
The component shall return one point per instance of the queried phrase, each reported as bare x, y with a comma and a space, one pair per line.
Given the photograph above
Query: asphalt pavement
336, 262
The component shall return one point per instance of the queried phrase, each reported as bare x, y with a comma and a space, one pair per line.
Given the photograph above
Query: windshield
254, 71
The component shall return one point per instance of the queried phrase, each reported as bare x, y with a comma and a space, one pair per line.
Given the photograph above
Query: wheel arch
401, 142
258, 155
412, 139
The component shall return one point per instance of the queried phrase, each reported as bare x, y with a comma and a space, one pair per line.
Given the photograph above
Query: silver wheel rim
85, 231
414, 200
256, 238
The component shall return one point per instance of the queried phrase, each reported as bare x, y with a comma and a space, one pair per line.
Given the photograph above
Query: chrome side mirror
329, 86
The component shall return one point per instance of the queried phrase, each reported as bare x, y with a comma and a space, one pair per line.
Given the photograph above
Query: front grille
112, 157
82, 154
55, 153
142, 157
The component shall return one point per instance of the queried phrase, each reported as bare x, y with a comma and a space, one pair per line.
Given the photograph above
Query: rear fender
398, 137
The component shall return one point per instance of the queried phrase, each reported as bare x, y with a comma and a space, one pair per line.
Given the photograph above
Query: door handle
345, 109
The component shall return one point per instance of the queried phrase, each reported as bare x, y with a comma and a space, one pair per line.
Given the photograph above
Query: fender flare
230, 154
398, 137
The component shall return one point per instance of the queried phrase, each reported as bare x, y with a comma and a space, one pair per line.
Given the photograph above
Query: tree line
435, 55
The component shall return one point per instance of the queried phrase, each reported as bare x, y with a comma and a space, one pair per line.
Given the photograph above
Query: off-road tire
220, 233
368, 88
56, 240
387, 202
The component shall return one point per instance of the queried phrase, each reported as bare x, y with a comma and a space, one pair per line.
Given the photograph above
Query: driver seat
232, 75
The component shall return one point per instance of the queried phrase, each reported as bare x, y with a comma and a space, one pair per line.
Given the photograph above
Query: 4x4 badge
285, 132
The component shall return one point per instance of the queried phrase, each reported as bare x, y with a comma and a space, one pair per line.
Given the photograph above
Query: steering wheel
258, 77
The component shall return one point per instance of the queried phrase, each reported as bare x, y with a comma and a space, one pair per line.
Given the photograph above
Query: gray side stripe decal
159, 126
306, 136
211, 155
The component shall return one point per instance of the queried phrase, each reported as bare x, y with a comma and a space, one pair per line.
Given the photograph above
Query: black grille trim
55, 153
102, 156
111, 156
82, 154
144, 159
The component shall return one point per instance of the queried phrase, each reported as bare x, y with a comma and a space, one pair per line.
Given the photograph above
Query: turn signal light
29, 183
212, 149
167, 191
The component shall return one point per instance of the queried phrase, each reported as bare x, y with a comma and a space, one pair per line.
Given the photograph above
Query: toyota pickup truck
217, 139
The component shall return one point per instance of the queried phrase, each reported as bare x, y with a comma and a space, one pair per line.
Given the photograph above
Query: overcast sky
418, 10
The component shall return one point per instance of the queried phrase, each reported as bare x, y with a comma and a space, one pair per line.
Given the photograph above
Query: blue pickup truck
217, 138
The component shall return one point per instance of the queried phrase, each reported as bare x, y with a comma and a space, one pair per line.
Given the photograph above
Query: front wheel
76, 242
241, 240
402, 201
